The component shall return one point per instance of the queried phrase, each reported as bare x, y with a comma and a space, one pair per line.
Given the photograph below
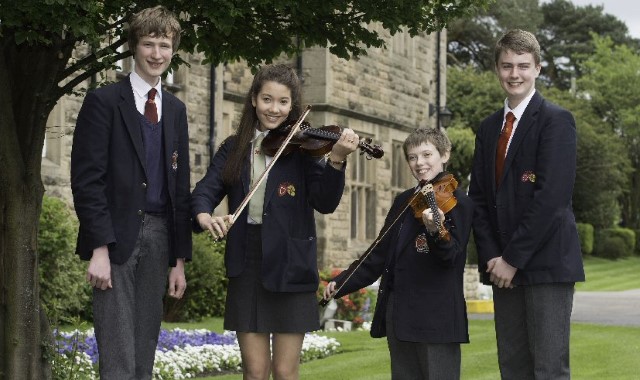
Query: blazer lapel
131, 119
529, 118
409, 226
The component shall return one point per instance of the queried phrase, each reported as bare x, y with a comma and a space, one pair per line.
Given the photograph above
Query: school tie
259, 163
150, 110
501, 151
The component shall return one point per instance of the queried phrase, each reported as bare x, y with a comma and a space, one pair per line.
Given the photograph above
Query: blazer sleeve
89, 165
325, 184
183, 190
483, 231
374, 264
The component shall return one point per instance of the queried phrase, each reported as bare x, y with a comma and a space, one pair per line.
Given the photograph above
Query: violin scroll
371, 151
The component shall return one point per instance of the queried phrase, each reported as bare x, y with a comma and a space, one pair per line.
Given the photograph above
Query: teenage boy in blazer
130, 183
524, 226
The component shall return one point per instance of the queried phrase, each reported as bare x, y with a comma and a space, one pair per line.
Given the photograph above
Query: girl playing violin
421, 307
270, 255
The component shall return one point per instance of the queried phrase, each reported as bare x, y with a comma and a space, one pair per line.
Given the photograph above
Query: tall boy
522, 182
130, 182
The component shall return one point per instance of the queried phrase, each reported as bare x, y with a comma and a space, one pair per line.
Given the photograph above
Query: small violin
436, 195
313, 141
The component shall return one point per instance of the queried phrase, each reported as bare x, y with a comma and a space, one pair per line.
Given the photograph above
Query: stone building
383, 95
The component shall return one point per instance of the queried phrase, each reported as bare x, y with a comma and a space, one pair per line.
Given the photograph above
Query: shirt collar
141, 88
257, 133
519, 110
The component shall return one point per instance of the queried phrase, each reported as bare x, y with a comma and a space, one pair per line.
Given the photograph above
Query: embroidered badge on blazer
286, 188
421, 243
174, 161
528, 176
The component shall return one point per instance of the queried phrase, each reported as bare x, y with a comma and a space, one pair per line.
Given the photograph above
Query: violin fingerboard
430, 196
321, 134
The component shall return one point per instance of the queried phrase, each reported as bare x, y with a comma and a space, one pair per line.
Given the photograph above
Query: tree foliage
611, 79
471, 39
37, 41
472, 95
565, 37
562, 28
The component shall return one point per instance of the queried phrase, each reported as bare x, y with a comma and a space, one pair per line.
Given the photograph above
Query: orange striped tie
501, 151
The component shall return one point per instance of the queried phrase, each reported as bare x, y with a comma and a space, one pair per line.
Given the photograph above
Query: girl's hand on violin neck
218, 226
329, 290
346, 144
429, 222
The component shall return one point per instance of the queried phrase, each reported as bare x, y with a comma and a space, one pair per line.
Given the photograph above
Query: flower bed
180, 354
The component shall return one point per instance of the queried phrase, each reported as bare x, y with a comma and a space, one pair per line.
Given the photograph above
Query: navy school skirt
252, 308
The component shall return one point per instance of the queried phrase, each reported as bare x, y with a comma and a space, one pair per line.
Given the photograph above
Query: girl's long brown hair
238, 156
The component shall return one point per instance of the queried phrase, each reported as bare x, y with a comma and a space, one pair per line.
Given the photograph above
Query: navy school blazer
108, 177
296, 186
528, 219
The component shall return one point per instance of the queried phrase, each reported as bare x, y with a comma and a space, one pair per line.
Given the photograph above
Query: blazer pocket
301, 261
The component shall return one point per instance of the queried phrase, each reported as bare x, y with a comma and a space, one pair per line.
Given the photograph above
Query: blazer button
140, 212
144, 185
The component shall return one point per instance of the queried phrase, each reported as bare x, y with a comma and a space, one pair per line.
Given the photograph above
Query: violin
314, 141
436, 195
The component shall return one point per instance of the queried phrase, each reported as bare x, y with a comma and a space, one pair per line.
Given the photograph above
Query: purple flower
67, 343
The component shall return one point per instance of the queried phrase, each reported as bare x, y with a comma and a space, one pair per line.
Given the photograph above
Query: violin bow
361, 259
263, 176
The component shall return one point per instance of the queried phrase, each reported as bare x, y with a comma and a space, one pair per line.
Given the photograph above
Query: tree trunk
24, 333
22, 340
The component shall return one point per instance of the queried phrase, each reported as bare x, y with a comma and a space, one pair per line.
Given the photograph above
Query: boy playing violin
421, 307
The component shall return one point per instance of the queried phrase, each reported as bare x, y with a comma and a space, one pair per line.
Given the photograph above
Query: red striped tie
150, 110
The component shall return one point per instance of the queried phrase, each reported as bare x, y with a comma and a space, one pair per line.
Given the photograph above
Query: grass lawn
597, 352
610, 275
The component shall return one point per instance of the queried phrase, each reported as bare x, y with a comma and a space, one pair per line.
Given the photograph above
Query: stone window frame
401, 177
363, 199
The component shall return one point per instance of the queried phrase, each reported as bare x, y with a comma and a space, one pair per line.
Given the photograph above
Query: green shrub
614, 243
206, 284
585, 233
637, 242
64, 293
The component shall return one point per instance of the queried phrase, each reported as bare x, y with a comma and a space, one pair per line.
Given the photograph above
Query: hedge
585, 233
614, 243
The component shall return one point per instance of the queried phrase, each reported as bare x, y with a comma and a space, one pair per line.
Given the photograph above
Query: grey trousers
127, 317
420, 361
532, 331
